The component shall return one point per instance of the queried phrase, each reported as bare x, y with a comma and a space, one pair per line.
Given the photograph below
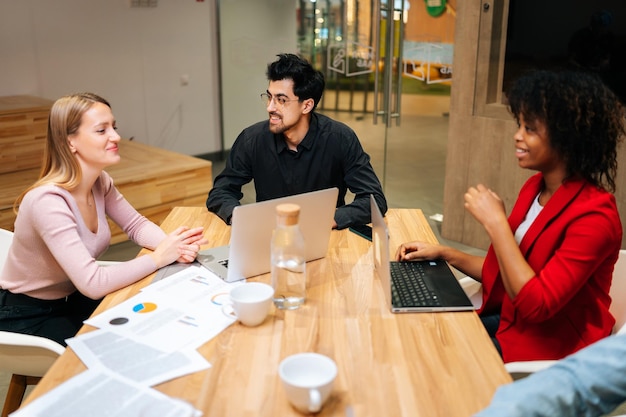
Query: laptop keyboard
408, 287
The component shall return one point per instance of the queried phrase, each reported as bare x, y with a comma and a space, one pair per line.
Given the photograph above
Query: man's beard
279, 128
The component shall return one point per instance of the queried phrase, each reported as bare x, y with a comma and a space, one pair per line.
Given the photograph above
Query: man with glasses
297, 150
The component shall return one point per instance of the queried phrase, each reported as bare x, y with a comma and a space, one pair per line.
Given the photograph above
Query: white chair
618, 289
27, 358
474, 291
6, 237
618, 309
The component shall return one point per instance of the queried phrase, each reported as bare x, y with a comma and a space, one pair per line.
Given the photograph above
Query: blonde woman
51, 282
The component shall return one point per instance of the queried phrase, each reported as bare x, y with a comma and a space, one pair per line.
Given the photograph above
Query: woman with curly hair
547, 273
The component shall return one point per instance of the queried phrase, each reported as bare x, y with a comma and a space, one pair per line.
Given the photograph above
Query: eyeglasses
278, 100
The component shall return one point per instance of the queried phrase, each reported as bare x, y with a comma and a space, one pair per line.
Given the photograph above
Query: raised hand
485, 205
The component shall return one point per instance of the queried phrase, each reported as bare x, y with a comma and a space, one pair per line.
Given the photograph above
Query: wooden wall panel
480, 138
23, 128
459, 149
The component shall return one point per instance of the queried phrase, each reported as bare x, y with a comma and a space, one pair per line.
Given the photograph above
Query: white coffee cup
249, 303
308, 380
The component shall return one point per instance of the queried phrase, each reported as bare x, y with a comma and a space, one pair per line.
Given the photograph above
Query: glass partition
388, 65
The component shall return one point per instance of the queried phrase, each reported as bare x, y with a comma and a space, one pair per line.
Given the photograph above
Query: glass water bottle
288, 260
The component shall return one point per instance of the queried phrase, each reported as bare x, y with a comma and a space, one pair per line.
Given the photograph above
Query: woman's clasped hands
182, 245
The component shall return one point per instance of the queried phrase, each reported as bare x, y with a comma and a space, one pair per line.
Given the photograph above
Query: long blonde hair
60, 166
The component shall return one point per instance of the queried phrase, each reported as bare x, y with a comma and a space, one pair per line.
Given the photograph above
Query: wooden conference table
425, 364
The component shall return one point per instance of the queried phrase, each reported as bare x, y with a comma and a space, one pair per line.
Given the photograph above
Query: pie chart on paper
144, 308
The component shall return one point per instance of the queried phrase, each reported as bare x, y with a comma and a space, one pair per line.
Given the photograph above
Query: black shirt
330, 155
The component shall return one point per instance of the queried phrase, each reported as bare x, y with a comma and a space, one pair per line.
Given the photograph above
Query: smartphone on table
362, 230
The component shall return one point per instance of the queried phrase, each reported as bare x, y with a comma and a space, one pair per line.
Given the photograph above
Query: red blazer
572, 246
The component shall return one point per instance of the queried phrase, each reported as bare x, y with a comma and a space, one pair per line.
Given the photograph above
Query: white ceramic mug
308, 380
249, 303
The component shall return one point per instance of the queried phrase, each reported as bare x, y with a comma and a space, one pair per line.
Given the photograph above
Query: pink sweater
53, 252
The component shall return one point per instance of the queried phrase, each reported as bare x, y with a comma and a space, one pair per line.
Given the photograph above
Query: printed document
183, 310
98, 393
136, 361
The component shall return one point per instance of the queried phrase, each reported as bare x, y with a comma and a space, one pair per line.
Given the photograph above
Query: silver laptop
248, 253
416, 286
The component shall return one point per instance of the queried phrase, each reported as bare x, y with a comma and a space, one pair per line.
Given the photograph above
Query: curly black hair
307, 81
583, 117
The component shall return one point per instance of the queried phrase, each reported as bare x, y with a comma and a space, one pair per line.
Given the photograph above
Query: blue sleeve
591, 382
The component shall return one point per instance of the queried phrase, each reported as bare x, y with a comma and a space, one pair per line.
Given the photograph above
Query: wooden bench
152, 179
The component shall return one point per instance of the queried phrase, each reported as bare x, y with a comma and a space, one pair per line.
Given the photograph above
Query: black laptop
416, 286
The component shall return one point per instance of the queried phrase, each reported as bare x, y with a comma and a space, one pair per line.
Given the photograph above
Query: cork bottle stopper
287, 214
